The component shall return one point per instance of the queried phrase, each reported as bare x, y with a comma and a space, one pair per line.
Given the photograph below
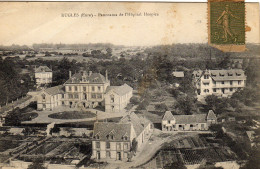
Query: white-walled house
117, 97
194, 122
113, 141
43, 75
50, 98
218, 82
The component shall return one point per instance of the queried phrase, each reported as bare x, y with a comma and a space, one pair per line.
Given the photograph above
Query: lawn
72, 115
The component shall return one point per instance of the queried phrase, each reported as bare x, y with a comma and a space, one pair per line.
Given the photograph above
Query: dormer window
97, 137
238, 74
230, 74
125, 138
221, 74
206, 76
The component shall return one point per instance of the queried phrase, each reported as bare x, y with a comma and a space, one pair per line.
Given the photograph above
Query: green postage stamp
226, 22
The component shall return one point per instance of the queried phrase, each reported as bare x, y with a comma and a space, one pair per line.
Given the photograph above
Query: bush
134, 100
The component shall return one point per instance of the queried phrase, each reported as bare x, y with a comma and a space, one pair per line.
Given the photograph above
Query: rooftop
120, 90
220, 75
42, 69
55, 90
82, 77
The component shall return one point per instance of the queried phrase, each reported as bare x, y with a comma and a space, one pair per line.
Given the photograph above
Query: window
108, 154
76, 96
125, 138
108, 145
43, 96
62, 103
239, 82
214, 90
93, 96
69, 88
231, 89
44, 106
169, 121
99, 88
206, 84
230, 74
99, 96
238, 74
93, 88
97, 136
62, 96
223, 82
85, 96
112, 107
231, 82
97, 144
112, 98
125, 146
206, 76
118, 146
76, 88
70, 96
84, 89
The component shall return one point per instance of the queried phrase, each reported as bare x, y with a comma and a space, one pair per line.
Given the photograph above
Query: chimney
70, 73
106, 75
90, 73
84, 73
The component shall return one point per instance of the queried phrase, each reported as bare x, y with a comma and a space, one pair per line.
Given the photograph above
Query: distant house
117, 97
113, 141
194, 122
218, 82
43, 75
178, 74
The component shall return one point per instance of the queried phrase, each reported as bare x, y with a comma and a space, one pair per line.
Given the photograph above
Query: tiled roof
178, 73
88, 78
211, 115
188, 119
120, 90
118, 130
138, 123
168, 115
43, 69
55, 90
220, 75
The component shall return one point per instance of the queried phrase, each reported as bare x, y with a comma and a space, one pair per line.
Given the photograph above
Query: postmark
226, 25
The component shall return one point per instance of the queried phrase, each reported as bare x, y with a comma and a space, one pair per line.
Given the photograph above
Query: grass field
72, 115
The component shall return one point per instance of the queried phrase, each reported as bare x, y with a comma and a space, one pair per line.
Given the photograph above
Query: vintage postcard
120, 85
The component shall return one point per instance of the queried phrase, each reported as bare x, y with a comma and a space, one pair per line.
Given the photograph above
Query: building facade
194, 122
43, 75
113, 141
218, 82
117, 97
85, 90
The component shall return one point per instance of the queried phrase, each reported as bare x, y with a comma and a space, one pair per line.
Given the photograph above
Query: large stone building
43, 75
113, 141
218, 82
194, 122
85, 90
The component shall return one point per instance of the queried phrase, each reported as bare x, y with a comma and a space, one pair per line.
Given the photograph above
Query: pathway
43, 116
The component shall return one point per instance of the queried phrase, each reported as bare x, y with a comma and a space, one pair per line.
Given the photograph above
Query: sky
25, 23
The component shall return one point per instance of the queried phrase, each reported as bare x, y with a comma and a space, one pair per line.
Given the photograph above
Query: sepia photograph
130, 85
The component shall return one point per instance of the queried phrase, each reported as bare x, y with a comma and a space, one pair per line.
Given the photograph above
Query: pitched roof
138, 123
87, 78
221, 75
188, 119
120, 90
178, 73
43, 69
211, 115
55, 90
103, 129
168, 116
